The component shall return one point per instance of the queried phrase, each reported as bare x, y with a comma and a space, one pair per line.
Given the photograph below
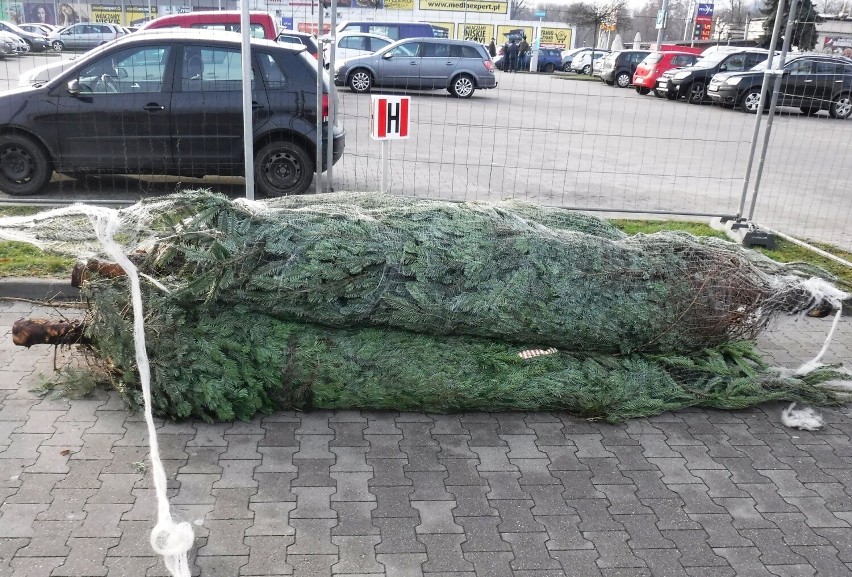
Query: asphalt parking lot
571, 143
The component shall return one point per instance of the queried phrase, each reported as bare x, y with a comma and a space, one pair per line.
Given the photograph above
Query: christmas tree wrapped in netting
365, 300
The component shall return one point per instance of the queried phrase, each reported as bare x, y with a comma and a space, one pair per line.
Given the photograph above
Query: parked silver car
11, 45
460, 66
85, 36
35, 42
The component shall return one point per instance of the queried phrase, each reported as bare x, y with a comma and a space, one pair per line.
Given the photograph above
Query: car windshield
14, 28
762, 65
711, 60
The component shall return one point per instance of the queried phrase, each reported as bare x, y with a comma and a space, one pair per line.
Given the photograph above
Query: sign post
703, 22
536, 45
389, 120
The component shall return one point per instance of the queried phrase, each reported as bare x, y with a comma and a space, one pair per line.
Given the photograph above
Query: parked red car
653, 66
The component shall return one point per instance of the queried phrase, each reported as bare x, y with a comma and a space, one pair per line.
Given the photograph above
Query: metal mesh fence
562, 140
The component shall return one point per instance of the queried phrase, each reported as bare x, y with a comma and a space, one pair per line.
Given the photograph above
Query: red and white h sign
389, 117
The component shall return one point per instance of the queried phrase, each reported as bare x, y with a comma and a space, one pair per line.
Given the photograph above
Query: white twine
805, 419
808, 419
815, 363
169, 539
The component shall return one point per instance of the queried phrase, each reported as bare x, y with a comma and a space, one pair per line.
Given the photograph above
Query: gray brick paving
697, 493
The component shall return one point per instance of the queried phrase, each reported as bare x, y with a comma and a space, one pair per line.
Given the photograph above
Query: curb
40, 289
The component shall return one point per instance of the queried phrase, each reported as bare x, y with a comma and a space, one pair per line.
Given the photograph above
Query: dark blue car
549, 59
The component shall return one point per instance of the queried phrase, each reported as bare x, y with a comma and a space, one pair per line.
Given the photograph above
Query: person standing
523, 54
492, 48
512, 56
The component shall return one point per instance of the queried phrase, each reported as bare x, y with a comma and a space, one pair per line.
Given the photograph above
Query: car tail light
325, 107
489, 66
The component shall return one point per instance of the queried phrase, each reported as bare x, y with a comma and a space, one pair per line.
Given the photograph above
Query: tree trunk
29, 332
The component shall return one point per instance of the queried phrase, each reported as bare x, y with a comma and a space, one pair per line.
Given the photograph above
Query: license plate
712, 88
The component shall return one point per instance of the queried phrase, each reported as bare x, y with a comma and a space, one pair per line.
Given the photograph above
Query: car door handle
413, 63
153, 107
256, 106
450, 63
809, 80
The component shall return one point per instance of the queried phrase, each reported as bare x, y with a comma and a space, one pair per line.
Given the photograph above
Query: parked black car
167, 103
618, 67
691, 82
809, 82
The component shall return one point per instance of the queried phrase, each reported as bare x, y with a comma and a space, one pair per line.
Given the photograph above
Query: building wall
479, 20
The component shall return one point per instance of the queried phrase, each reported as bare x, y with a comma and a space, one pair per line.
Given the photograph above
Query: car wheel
587, 69
462, 86
360, 81
671, 95
809, 111
549, 67
24, 167
841, 106
751, 100
658, 94
57, 46
696, 93
608, 82
622, 80
566, 67
282, 168
643, 91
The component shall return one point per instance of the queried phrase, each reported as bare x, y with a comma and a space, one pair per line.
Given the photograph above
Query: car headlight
733, 81
681, 75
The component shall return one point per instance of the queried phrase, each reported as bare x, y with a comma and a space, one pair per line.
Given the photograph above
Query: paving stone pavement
697, 493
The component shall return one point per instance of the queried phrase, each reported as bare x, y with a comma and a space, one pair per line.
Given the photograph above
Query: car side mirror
74, 87
723, 68
122, 73
387, 55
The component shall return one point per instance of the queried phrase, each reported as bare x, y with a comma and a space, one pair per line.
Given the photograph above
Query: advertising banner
481, 6
838, 45
39, 13
704, 14
482, 33
132, 16
553, 37
450, 27
504, 30
399, 4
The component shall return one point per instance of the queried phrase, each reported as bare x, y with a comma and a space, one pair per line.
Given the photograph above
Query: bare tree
518, 10
645, 19
596, 16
